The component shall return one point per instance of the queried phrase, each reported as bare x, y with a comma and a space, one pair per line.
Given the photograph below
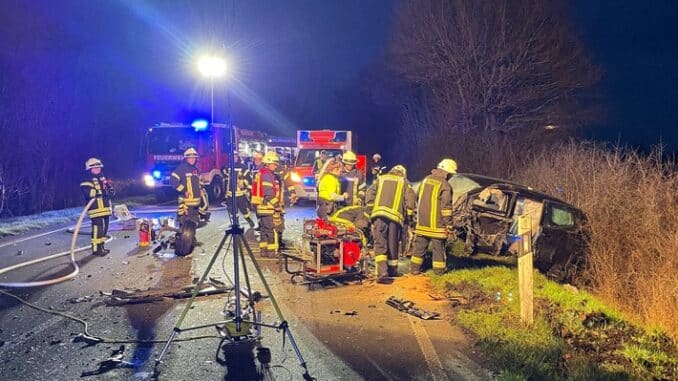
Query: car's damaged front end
486, 213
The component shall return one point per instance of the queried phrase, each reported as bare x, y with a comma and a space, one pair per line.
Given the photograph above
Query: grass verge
575, 335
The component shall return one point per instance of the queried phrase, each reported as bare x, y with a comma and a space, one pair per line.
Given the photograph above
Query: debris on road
408, 307
121, 297
80, 299
114, 361
351, 313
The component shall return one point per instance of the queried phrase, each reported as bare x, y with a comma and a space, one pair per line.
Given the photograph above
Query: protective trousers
188, 212
99, 230
242, 206
268, 239
421, 243
386, 244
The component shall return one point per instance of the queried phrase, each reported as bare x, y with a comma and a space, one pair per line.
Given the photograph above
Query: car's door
560, 242
492, 211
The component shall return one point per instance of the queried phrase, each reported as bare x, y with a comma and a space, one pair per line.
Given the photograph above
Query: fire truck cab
166, 142
309, 145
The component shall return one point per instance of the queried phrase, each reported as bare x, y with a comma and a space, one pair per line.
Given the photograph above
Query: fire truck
166, 142
309, 145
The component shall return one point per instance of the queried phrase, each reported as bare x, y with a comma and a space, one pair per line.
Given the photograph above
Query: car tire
185, 241
216, 190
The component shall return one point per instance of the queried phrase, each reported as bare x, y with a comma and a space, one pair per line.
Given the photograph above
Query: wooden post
525, 272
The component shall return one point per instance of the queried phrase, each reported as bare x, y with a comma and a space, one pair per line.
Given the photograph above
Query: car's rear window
560, 216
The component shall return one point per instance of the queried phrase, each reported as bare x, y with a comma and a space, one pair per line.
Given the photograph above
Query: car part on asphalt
408, 307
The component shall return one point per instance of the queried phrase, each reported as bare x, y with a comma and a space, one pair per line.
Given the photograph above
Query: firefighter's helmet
448, 165
271, 157
399, 170
93, 162
349, 158
376, 157
191, 152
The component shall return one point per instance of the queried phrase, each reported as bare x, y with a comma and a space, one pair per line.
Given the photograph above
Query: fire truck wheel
215, 191
185, 239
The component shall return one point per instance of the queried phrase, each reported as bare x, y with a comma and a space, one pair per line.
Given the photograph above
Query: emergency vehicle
309, 145
166, 143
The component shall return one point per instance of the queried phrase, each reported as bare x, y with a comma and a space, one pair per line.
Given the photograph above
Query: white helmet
191, 152
448, 165
399, 170
93, 162
376, 156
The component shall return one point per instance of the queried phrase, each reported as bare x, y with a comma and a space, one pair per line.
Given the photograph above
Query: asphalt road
375, 343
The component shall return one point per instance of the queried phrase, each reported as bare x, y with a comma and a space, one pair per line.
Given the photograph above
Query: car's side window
560, 216
492, 199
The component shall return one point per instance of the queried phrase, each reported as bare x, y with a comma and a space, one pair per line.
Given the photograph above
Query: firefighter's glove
293, 199
187, 195
450, 230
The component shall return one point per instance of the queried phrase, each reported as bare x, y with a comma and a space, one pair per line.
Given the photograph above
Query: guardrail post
525, 282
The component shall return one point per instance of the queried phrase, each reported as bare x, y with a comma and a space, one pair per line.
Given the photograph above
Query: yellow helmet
349, 158
191, 152
93, 162
271, 157
399, 170
448, 165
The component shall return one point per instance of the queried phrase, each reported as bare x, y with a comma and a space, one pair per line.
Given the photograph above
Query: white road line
32, 237
427, 349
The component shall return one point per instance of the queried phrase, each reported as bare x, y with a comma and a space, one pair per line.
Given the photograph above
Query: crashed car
485, 218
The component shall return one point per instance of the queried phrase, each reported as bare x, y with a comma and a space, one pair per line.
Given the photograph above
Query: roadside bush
632, 204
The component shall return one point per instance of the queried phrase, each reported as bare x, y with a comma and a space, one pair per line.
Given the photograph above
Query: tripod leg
177, 327
302, 362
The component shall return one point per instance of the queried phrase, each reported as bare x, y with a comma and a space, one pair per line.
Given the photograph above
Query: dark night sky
293, 57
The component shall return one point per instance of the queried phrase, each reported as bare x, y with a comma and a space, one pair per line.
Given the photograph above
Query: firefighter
329, 189
186, 180
377, 167
251, 174
242, 185
319, 163
391, 204
286, 191
434, 217
97, 187
265, 198
356, 217
353, 180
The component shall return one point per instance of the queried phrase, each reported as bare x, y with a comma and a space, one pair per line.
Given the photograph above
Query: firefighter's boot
104, 249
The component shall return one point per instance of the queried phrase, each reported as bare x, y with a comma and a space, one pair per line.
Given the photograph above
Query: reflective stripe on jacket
434, 206
95, 188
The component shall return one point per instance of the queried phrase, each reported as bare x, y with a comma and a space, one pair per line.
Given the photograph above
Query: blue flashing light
200, 125
308, 181
156, 174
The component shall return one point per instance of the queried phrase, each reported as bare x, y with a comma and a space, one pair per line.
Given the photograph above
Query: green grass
575, 336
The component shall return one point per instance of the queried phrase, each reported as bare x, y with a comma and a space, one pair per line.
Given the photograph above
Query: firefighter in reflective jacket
329, 189
391, 204
186, 180
355, 217
434, 217
97, 187
265, 198
352, 180
242, 185
286, 191
319, 163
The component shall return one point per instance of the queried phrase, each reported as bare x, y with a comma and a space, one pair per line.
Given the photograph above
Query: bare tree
492, 66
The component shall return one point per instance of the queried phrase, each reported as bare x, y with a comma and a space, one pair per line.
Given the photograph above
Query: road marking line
378, 368
31, 237
427, 349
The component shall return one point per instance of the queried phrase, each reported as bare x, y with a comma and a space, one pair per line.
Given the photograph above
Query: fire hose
72, 251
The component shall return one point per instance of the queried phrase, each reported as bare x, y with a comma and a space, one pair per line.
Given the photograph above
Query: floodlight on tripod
241, 325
